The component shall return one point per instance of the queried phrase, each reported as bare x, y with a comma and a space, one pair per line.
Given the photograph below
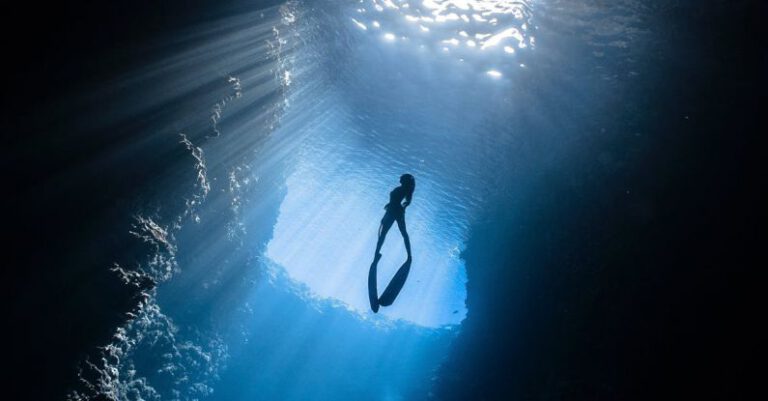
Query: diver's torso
396, 200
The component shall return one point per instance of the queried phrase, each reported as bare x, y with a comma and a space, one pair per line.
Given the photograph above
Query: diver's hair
407, 179
409, 183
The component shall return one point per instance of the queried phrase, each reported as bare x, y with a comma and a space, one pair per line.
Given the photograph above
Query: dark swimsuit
395, 205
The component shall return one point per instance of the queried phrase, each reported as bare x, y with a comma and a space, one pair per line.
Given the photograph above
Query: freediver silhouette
399, 199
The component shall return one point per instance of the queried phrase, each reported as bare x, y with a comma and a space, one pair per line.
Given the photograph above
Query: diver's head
407, 180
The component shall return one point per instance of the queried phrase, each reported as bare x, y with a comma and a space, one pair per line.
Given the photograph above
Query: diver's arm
407, 200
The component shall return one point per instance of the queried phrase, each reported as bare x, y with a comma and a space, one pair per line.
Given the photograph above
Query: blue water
289, 126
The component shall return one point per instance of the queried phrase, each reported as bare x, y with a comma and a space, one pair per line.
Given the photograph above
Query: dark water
195, 197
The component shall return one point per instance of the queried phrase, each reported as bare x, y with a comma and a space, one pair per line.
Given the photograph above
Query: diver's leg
406, 239
386, 223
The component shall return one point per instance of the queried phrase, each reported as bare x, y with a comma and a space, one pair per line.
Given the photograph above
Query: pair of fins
393, 288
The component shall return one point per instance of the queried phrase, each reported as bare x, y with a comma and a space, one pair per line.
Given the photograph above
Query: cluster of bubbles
496, 29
